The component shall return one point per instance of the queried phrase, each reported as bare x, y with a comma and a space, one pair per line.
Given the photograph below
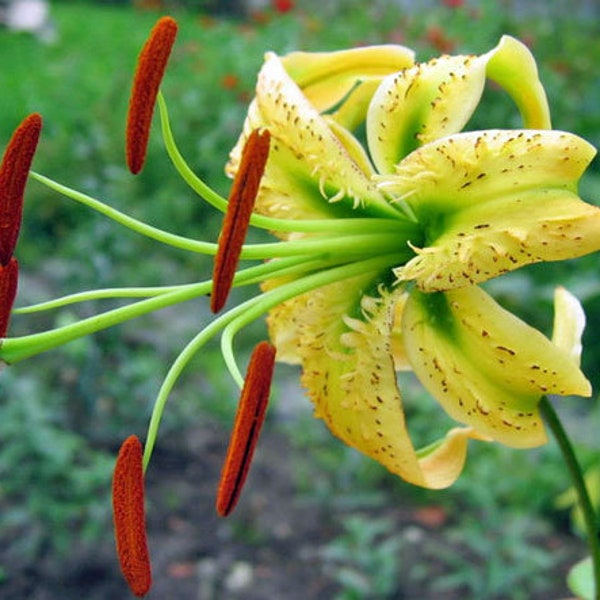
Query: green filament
243, 314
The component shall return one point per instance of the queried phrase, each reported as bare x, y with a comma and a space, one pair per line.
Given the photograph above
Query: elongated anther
151, 66
130, 518
14, 171
9, 275
237, 218
248, 422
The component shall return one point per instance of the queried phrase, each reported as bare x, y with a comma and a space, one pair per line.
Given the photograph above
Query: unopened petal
485, 366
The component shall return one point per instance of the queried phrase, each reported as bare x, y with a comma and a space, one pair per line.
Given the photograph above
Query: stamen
13, 177
248, 422
237, 218
151, 66
9, 275
129, 517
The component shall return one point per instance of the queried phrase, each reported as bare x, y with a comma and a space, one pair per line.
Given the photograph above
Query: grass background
62, 415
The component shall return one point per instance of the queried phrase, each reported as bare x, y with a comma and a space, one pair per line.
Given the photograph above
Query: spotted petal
436, 99
487, 368
494, 201
326, 78
310, 172
343, 340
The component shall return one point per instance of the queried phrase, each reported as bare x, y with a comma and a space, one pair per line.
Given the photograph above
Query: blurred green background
64, 414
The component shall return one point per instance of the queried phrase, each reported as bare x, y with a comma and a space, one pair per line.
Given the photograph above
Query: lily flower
469, 205
387, 216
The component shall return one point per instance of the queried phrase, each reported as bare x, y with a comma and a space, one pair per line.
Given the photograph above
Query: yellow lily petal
512, 66
352, 113
421, 104
494, 201
348, 371
443, 461
353, 147
485, 366
304, 146
398, 350
436, 99
326, 77
569, 323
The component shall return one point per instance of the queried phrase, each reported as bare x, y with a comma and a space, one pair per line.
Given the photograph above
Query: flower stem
591, 524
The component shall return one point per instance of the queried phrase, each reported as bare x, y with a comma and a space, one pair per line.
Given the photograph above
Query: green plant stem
591, 524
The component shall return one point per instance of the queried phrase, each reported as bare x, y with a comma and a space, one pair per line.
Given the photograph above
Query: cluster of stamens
352, 246
128, 480
368, 243
128, 496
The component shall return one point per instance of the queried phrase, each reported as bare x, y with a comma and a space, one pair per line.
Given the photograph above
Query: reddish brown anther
9, 275
14, 171
248, 422
130, 517
237, 218
151, 66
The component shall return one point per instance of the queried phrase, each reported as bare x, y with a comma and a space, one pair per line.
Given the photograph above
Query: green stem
13, 350
591, 523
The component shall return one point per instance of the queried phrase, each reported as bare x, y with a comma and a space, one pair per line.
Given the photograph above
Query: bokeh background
316, 520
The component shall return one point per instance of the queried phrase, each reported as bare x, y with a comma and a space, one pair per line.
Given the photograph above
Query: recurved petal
436, 99
569, 323
288, 189
442, 462
494, 201
486, 367
420, 104
512, 66
307, 153
348, 372
326, 78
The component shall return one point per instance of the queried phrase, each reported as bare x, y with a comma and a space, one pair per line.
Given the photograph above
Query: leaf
581, 579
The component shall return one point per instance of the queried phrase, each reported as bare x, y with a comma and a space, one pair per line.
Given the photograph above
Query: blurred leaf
581, 579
